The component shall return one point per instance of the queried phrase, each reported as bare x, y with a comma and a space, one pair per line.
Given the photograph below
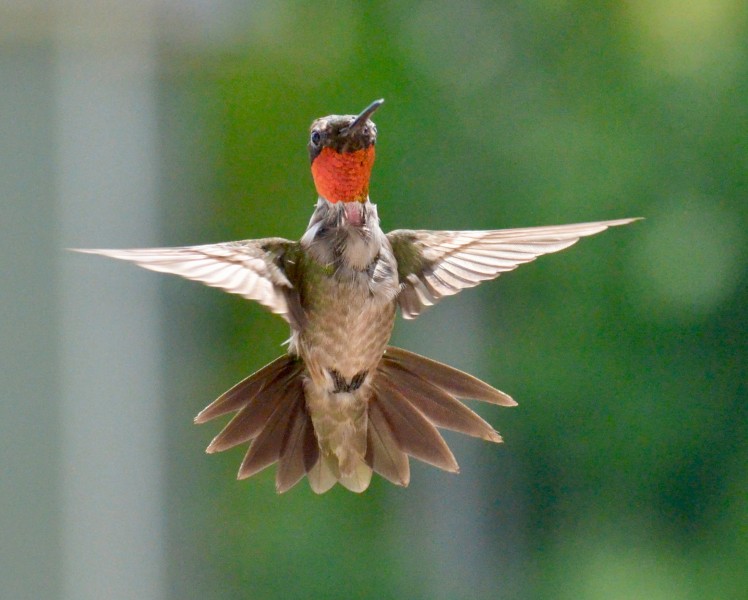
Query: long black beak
365, 114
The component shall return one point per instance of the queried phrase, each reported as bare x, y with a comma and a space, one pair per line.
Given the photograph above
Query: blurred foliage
624, 471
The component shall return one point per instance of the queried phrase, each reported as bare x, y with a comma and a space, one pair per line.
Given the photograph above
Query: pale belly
347, 332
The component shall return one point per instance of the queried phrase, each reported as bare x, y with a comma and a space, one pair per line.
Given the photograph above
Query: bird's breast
348, 327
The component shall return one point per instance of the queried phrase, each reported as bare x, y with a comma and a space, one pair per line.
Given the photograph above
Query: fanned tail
272, 415
410, 397
414, 395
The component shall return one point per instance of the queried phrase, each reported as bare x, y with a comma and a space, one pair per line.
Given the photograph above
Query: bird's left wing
254, 269
434, 264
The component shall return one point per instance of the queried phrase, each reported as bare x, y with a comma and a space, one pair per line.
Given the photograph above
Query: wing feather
434, 264
254, 269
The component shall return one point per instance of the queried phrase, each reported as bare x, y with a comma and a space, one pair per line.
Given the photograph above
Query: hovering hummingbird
342, 403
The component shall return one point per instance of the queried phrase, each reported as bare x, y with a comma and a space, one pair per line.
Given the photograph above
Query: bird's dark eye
365, 130
316, 138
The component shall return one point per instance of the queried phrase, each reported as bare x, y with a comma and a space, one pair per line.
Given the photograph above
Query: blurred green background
625, 468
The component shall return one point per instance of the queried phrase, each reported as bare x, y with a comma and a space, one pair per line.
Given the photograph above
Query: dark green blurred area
624, 472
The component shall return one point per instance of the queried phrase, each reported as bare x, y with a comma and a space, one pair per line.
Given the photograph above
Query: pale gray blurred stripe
454, 532
106, 167
29, 405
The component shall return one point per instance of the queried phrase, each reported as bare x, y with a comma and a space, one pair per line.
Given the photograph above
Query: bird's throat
343, 176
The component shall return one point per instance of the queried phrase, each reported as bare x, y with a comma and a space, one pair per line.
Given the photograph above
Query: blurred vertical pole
29, 409
106, 161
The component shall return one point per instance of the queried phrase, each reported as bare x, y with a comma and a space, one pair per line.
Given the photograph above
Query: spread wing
254, 269
434, 264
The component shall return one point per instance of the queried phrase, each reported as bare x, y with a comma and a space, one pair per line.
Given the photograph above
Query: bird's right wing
254, 269
434, 264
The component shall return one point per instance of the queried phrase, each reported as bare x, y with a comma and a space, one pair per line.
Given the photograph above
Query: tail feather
244, 391
383, 453
272, 412
456, 382
358, 479
252, 417
413, 432
437, 405
323, 475
300, 451
268, 445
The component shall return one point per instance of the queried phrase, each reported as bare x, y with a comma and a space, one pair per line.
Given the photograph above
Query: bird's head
341, 148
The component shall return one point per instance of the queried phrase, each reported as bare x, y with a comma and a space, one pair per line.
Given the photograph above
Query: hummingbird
341, 403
